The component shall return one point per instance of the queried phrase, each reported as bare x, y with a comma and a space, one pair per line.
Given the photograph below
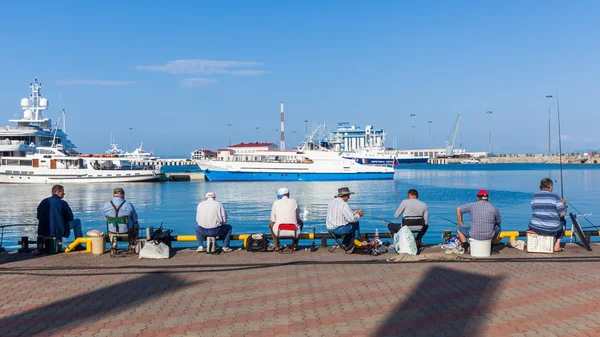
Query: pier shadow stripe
94, 306
460, 316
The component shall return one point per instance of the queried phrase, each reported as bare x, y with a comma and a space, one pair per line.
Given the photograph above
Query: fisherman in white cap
211, 218
285, 211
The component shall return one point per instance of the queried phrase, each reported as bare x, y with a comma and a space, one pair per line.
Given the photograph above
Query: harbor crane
450, 141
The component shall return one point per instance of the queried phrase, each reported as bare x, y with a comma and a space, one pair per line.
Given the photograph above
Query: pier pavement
302, 294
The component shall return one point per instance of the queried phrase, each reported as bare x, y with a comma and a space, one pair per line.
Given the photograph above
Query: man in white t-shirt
285, 211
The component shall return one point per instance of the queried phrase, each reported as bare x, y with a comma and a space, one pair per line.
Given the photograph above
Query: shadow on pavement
93, 306
446, 302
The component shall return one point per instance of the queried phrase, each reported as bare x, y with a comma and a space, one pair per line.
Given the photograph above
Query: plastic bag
404, 242
153, 250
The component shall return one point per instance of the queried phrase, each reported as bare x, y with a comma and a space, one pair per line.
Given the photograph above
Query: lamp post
229, 128
257, 134
429, 122
549, 142
412, 127
130, 140
489, 132
306, 128
276, 134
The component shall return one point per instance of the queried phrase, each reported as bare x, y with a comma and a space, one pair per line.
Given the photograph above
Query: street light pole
306, 128
429, 122
130, 140
229, 128
412, 127
489, 132
257, 134
549, 142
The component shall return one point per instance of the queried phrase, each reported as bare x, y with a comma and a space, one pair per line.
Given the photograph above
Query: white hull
84, 177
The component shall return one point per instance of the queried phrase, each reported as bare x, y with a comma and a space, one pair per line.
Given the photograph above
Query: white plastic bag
152, 250
404, 242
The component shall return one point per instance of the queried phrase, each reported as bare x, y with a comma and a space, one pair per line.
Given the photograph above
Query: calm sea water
442, 187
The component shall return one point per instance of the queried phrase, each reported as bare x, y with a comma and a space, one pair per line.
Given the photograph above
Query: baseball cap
210, 195
118, 190
483, 192
283, 191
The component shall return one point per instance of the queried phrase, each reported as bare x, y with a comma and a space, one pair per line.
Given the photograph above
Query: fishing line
377, 218
583, 215
447, 219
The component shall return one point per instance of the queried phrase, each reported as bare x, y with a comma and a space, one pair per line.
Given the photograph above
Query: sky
179, 73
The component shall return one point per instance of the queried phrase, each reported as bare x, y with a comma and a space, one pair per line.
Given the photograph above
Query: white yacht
33, 152
33, 129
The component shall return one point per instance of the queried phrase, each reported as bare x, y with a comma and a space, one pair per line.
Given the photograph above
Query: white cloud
196, 82
95, 82
206, 67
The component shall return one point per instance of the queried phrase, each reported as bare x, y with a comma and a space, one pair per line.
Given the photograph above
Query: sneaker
200, 249
350, 250
226, 250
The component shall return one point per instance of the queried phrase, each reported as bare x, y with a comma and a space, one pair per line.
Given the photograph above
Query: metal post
257, 134
412, 127
489, 132
229, 128
130, 140
306, 128
549, 139
430, 122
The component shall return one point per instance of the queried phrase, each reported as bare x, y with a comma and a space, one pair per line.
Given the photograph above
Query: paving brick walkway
302, 294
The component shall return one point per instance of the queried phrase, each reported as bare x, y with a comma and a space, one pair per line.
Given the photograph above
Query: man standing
285, 211
342, 220
119, 207
56, 217
413, 209
211, 218
548, 211
485, 220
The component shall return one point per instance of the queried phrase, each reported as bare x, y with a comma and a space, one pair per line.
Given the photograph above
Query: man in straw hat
211, 218
342, 220
485, 220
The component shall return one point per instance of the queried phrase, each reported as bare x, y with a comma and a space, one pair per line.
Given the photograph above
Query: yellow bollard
78, 241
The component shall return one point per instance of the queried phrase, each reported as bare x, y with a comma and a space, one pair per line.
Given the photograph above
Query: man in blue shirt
119, 207
56, 217
548, 211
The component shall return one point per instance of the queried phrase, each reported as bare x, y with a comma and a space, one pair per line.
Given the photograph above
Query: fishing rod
562, 194
377, 218
583, 215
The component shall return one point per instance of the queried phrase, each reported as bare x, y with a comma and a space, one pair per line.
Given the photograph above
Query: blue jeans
351, 231
75, 225
223, 230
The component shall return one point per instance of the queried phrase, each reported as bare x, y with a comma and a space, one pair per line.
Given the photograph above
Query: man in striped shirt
485, 220
342, 220
548, 211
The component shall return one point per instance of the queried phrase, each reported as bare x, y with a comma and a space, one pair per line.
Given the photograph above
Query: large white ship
35, 151
314, 161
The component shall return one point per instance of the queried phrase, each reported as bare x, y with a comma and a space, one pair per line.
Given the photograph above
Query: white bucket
480, 248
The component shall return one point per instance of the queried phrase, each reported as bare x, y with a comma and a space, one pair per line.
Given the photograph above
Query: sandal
560, 250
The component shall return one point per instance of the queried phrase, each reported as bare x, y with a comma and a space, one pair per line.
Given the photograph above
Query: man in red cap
485, 220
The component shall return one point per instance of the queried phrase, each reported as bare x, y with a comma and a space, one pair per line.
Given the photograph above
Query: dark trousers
223, 230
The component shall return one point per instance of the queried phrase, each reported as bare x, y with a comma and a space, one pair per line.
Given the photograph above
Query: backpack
257, 243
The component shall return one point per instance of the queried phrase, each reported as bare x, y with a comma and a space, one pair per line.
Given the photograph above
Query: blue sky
180, 72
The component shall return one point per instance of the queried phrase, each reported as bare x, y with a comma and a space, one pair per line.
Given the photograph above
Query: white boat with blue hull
313, 162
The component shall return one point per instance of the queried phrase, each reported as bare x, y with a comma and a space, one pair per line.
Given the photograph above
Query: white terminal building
352, 138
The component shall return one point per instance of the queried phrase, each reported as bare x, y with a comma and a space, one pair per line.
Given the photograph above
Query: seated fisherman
342, 220
120, 213
285, 211
548, 211
409, 208
56, 217
485, 220
211, 218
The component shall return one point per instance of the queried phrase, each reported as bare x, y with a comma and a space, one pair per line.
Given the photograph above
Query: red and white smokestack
282, 141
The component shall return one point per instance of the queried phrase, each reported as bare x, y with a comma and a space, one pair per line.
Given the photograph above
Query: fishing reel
447, 235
